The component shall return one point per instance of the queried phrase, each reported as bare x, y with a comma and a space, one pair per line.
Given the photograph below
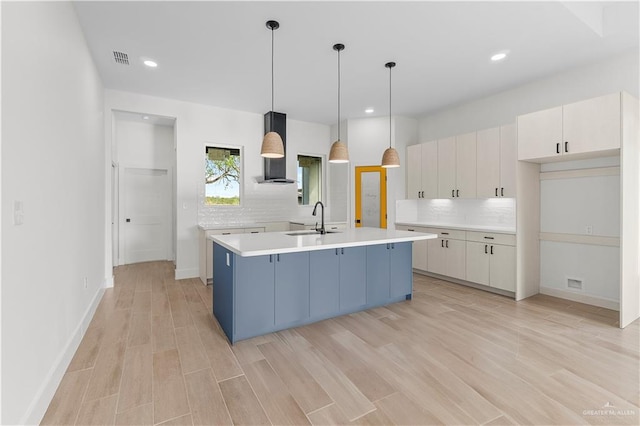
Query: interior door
371, 196
144, 222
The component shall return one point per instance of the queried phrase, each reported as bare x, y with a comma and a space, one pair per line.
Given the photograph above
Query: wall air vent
121, 58
574, 284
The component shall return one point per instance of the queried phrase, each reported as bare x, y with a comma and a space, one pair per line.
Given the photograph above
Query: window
222, 176
309, 180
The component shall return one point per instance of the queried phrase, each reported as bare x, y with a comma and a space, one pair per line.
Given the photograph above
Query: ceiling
218, 53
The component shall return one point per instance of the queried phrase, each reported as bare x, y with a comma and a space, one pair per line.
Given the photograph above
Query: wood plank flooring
153, 354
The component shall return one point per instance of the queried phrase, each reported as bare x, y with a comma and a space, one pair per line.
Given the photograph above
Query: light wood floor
453, 355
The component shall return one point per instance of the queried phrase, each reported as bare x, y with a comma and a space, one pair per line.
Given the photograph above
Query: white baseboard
182, 274
108, 282
581, 298
41, 401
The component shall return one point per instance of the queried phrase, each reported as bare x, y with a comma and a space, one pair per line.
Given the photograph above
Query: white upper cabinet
496, 162
446, 167
414, 171
576, 129
592, 125
457, 166
466, 165
508, 160
422, 170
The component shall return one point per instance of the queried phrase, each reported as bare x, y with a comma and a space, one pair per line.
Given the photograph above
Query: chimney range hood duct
275, 169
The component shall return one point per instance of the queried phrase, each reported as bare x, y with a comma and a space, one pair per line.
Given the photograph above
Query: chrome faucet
321, 230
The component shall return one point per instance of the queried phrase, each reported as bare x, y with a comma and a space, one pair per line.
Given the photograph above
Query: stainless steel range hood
275, 169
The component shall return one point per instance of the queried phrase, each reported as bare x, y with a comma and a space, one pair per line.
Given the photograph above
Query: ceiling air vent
121, 58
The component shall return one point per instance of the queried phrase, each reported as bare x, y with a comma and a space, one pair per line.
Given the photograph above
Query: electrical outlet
588, 230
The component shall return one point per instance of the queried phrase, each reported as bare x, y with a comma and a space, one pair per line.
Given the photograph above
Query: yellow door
371, 196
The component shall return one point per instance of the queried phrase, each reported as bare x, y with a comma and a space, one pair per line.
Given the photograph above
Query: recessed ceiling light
499, 56
368, 110
150, 63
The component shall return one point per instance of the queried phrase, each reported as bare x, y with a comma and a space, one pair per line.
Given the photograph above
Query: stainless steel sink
310, 232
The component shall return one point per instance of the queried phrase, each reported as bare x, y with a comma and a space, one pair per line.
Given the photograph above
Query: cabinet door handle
270, 258
341, 251
566, 146
447, 244
278, 257
457, 193
393, 246
453, 192
502, 192
558, 148
485, 249
496, 192
491, 249
442, 243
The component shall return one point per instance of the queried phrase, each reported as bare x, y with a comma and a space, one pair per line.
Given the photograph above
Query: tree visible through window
222, 176
309, 179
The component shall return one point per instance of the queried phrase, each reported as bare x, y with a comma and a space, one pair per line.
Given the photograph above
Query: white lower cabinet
446, 255
491, 260
419, 250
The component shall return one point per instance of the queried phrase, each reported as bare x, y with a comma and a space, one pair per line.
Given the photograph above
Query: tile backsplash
483, 212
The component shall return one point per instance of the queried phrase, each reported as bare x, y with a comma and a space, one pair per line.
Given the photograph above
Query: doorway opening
371, 197
143, 188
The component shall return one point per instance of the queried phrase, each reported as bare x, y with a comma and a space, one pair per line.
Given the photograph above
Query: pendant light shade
272, 146
339, 152
390, 158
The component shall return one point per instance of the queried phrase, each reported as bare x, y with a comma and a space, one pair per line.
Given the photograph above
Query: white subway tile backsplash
482, 212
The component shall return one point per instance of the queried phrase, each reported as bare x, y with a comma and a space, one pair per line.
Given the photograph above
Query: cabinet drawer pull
488, 238
447, 244
412, 230
255, 232
226, 233
491, 249
558, 148
444, 233
485, 249
566, 146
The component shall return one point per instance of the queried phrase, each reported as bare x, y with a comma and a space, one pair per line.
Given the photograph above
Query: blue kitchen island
272, 281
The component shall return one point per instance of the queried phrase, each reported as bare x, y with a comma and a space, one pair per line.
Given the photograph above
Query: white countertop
231, 226
490, 228
279, 242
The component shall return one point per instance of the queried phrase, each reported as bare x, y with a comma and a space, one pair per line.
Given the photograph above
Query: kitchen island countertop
247, 245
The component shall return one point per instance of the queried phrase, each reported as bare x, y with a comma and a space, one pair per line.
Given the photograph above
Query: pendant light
390, 157
339, 152
272, 146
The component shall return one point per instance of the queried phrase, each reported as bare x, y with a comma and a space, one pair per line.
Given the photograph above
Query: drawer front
451, 234
225, 231
491, 238
256, 230
415, 229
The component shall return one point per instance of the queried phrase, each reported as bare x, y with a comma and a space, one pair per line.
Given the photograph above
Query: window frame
240, 148
323, 177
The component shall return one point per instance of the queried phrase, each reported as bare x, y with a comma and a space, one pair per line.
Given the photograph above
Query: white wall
197, 125
367, 138
52, 161
613, 75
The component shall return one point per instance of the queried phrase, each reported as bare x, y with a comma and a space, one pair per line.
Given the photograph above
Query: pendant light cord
390, 107
272, 70
338, 94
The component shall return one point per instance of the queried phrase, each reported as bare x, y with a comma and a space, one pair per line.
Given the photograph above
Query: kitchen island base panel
257, 295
